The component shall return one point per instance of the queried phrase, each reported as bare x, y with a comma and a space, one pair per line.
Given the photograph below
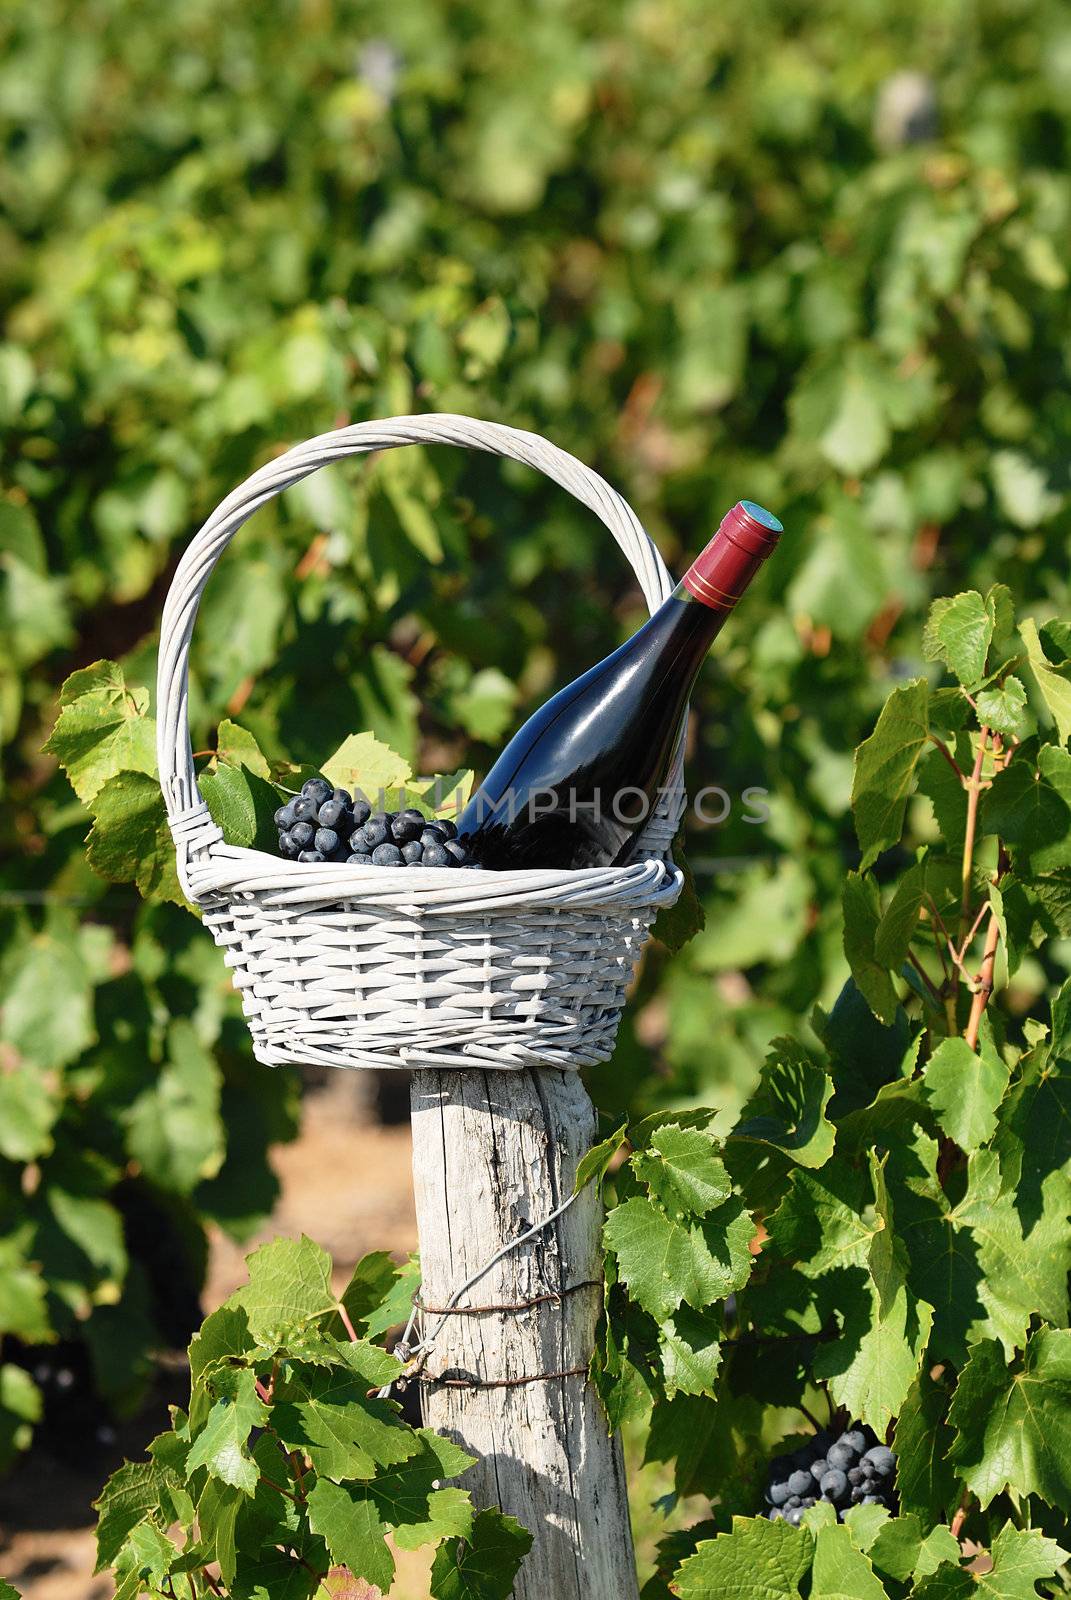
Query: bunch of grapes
326, 824
854, 1469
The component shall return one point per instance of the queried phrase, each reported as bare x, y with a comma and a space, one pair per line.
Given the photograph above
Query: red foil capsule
719, 574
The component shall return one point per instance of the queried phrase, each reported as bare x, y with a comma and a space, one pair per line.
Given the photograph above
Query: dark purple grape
376, 831
795, 1516
317, 790
799, 1482
288, 846
303, 834
840, 1455
330, 813
855, 1475
808, 1501
344, 798
873, 1500
284, 817
458, 851
326, 841
819, 1469
432, 834
855, 1439
834, 1485
361, 812
305, 809
857, 1495
403, 830
435, 856
387, 855
449, 828
775, 1514
882, 1461
310, 855
359, 859
413, 853
777, 1493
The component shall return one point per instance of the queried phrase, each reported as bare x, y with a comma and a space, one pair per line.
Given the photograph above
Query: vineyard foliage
710, 251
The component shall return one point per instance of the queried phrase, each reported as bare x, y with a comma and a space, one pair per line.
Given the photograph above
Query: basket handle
185, 807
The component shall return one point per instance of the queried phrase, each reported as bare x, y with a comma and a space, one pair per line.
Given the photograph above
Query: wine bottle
576, 785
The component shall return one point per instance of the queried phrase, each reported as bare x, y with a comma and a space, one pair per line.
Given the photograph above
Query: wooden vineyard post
493, 1153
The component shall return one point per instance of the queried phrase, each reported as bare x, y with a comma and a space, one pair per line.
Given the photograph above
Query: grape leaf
1004, 709
8, 1592
130, 841
884, 769
902, 1551
840, 1570
871, 1366
663, 1261
691, 1353
593, 1166
788, 1107
820, 1223
925, 1481
680, 1167
23, 1304
958, 632
103, 728
1033, 1141
242, 804
862, 916
236, 747
350, 1526
221, 1444
329, 1414
36, 969
1029, 806
484, 1565
758, 1560
217, 1518
289, 1287
1053, 682
1013, 1424
1020, 1558
965, 1089
130, 1494
174, 1128
21, 1405
29, 1106
362, 764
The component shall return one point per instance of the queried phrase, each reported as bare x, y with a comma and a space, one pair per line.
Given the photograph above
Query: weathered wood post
494, 1152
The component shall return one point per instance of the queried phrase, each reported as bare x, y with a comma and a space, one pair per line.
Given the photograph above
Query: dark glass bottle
575, 786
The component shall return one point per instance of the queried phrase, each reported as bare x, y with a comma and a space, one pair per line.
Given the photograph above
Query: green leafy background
702, 248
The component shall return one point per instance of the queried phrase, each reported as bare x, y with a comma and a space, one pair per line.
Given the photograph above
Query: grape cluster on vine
852, 1469
327, 824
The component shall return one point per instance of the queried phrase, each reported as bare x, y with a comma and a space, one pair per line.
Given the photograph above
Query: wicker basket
377, 967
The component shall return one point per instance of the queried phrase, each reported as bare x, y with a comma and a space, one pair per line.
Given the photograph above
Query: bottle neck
720, 574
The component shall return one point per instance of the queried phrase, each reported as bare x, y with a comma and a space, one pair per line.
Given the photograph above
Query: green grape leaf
1052, 680
594, 1165
871, 1366
944, 790
103, 728
329, 1414
958, 632
129, 1495
1020, 1558
289, 1287
902, 1551
221, 1446
1033, 1141
29, 1106
236, 747
374, 1282
884, 770
350, 1526
840, 1570
242, 804
820, 1224
130, 841
217, 1519
21, 1405
862, 916
1004, 709
681, 1168
965, 1089
691, 1353
896, 924
758, 1560
663, 1261
36, 969
788, 1107
925, 1480
174, 1128
1029, 806
8, 1591
363, 764
484, 1565
1013, 1423
23, 1304
676, 925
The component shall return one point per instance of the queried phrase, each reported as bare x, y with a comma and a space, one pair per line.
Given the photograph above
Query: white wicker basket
377, 967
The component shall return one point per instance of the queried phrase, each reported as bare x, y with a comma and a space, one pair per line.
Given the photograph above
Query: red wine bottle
576, 785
